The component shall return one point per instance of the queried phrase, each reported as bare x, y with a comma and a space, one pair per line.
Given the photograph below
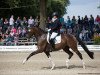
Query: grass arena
11, 64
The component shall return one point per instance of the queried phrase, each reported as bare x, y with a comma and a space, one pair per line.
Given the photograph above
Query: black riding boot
52, 43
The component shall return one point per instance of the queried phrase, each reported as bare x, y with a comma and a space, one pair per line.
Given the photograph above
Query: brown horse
67, 41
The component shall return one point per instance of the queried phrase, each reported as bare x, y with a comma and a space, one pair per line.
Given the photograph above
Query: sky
82, 8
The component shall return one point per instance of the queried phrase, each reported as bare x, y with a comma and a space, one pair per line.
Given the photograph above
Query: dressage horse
67, 41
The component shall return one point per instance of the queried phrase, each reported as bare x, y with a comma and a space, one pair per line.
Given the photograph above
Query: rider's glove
49, 30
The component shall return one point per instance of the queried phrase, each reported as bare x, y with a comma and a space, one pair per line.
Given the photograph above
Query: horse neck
39, 32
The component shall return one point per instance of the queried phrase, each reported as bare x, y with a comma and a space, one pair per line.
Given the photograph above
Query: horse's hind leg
66, 49
49, 56
79, 54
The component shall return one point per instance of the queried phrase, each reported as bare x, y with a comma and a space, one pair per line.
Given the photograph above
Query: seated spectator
13, 30
1, 40
24, 32
19, 31
81, 36
16, 39
8, 30
9, 40
69, 30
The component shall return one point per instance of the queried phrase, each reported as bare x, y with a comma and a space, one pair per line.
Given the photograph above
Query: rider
54, 28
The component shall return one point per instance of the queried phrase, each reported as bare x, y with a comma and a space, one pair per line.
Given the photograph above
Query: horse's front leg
49, 56
33, 53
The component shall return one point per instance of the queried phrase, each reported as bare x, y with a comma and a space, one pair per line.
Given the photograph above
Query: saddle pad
57, 39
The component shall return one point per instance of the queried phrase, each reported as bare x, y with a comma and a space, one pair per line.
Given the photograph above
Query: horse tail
91, 54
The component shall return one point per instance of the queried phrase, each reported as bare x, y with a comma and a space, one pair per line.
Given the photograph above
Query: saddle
57, 39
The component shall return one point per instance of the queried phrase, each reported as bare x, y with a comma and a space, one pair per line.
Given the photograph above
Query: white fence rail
18, 48
34, 47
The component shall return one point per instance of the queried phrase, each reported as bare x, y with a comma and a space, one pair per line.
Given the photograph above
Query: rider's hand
49, 30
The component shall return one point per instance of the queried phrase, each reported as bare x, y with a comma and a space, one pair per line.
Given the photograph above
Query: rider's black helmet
55, 14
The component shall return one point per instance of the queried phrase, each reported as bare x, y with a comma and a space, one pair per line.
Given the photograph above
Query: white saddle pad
57, 39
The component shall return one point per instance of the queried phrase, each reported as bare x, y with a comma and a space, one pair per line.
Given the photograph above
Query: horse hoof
67, 66
84, 67
67, 63
53, 67
24, 61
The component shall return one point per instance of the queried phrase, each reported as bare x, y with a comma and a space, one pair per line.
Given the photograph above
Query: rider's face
54, 17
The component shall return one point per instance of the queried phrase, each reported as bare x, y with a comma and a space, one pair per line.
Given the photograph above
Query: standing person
91, 25
31, 22
24, 22
37, 21
63, 29
1, 24
68, 25
86, 22
54, 28
11, 21
97, 20
18, 22
5, 26
73, 22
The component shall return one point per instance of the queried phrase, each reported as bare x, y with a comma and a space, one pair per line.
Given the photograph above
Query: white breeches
53, 35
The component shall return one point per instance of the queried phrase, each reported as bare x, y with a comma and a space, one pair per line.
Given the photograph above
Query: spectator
24, 22
69, 30
68, 22
1, 40
79, 23
18, 22
11, 21
24, 31
82, 24
31, 22
19, 32
79, 20
13, 30
91, 24
5, 26
81, 36
97, 20
86, 22
16, 39
63, 26
37, 21
8, 30
1, 24
73, 22
9, 40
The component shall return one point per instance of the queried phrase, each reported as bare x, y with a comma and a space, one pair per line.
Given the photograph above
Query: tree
52, 6
43, 13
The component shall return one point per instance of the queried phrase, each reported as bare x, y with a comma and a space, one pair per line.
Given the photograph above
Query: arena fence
34, 47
